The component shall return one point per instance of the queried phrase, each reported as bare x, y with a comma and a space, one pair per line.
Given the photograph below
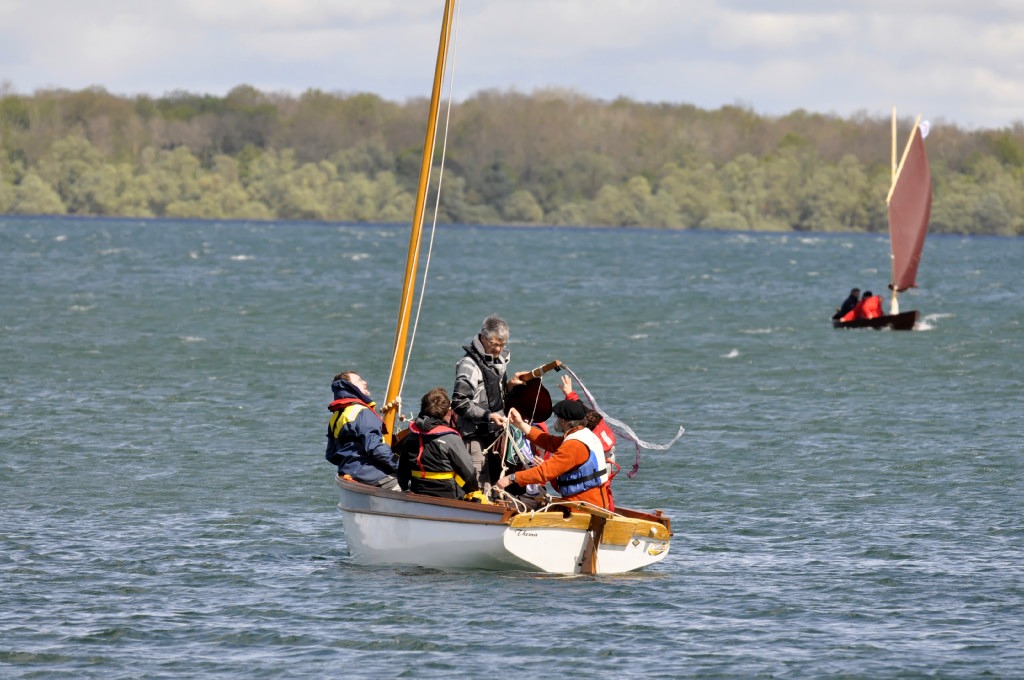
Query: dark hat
570, 409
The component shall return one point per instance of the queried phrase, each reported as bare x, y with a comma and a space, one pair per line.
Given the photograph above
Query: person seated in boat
869, 307
576, 466
355, 435
433, 460
848, 304
594, 421
478, 397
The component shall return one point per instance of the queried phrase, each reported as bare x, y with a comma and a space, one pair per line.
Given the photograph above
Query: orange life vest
868, 308
872, 307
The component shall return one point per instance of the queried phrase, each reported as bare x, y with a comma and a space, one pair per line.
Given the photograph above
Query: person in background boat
355, 435
848, 304
478, 398
869, 307
433, 460
576, 467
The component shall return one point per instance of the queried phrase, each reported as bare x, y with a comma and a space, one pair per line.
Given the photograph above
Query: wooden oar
527, 376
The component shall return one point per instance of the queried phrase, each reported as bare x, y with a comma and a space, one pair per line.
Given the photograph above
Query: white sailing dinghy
910, 205
387, 527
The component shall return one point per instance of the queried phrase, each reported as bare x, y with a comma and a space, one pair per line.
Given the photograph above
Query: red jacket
872, 307
867, 308
603, 432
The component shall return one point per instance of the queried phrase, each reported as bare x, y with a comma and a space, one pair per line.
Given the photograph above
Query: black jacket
428, 449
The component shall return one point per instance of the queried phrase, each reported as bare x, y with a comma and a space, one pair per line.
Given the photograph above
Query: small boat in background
910, 204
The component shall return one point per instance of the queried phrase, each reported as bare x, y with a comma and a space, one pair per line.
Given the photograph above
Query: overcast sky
959, 61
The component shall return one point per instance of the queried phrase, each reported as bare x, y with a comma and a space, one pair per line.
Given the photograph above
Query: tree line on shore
551, 157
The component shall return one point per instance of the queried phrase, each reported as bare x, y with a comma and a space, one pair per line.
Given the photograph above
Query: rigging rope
622, 428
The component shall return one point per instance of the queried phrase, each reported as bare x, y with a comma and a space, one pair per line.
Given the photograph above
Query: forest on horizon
551, 157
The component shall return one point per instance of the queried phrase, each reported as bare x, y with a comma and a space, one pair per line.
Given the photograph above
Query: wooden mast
413, 257
892, 173
903, 159
894, 303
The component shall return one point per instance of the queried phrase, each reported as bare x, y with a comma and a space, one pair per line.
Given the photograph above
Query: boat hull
903, 321
387, 527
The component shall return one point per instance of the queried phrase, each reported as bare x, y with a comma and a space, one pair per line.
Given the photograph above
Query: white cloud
960, 61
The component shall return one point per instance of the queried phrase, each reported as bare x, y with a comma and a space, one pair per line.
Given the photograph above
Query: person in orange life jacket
848, 304
576, 465
869, 307
433, 460
478, 397
594, 421
355, 435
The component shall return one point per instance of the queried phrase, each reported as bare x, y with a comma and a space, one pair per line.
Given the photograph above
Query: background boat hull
898, 322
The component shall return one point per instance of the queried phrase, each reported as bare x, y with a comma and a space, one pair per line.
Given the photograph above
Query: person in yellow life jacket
355, 434
869, 307
433, 460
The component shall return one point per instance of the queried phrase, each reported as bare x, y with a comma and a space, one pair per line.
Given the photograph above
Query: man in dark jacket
355, 435
848, 304
432, 458
481, 383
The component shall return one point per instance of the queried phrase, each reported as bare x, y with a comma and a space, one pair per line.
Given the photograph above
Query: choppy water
845, 503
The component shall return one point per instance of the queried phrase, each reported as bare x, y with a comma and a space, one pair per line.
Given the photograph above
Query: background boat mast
894, 304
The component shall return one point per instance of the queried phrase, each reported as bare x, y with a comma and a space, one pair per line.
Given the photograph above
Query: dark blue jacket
355, 436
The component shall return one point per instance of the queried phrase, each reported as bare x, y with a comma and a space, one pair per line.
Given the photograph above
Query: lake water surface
845, 503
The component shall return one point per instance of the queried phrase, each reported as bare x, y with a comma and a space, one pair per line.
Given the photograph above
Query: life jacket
494, 383
592, 473
872, 307
433, 433
868, 308
605, 435
603, 432
344, 411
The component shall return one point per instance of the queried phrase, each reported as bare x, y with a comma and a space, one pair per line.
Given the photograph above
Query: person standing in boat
848, 304
355, 435
433, 459
478, 398
576, 467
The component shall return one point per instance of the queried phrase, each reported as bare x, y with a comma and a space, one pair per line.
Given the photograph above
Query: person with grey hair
478, 398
